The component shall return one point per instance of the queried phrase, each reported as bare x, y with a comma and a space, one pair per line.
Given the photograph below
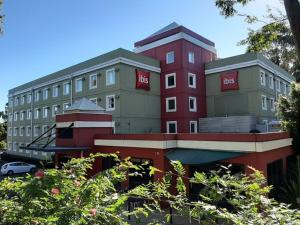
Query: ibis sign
229, 81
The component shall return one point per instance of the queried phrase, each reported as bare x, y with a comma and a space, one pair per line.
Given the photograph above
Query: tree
66, 196
3, 127
292, 8
1, 17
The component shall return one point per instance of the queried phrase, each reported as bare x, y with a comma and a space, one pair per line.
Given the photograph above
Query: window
170, 80
171, 104
10, 117
36, 113
54, 110
264, 102
191, 57
36, 96
22, 115
66, 90
45, 128
172, 127
16, 101
110, 77
93, 100
192, 80
15, 131
15, 146
262, 78
28, 114
192, 104
45, 94
170, 57
193, 126
284, 88
9, 146
271, 82
272, 103
9, 131
55, 91
66, 105
23, 100
278, 85
93, 81
36, 131
28, 131
78, 85
11, 102
16, 116
29, 96
110, 103
45, 112
21, 131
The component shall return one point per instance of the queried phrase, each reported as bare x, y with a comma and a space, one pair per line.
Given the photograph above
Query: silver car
17, 167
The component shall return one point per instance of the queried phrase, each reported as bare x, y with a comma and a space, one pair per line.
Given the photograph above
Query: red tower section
182, 54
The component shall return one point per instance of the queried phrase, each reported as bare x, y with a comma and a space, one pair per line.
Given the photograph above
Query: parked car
17, 167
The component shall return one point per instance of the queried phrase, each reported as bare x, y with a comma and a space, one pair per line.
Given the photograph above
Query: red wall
182, 91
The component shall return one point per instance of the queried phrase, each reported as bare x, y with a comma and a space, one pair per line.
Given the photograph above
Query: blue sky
41, 37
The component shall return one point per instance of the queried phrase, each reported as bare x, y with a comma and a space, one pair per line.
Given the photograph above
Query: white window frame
171, 122
10, 117
167, 86
21, 131
66, 104
272, 103
167, 104
191, 57
65, 90
167, 57
108, 97
90, 81
36, 113
55, 91
278, 85
29, 98
195, 104
194, 80
22, 113
22, 99
53, 110
45, 112
45, 93
29, 114
271, 82
262, 76
28, 131
15, 131
196, 126
9, 131
107, 77
94, 100
16, 101
36, 95
36, 131
262, 102
15, 116
79, 88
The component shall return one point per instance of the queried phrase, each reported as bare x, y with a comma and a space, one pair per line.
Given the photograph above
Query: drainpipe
71, 89
32, 114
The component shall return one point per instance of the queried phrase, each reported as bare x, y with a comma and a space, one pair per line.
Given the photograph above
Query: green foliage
3, 127
228, 7
66, 196
289, 112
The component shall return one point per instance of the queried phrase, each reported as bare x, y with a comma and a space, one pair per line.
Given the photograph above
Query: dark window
171, 104
65, 133
172, 128
191, 80
193, 127
171, 81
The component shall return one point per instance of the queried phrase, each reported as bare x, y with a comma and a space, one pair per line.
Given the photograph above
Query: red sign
229, 81
142, 80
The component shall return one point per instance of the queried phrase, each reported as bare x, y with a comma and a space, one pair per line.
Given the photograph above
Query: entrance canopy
200, 156
55, 149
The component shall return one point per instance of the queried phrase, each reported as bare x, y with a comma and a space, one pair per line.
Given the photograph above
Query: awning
55, 149
200, 156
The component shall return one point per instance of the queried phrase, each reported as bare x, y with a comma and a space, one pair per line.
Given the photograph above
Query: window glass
93, 81
79, 85
110, 77
191, 57
170, 58
66, 88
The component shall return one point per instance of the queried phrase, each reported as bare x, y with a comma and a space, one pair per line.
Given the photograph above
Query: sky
44, 36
